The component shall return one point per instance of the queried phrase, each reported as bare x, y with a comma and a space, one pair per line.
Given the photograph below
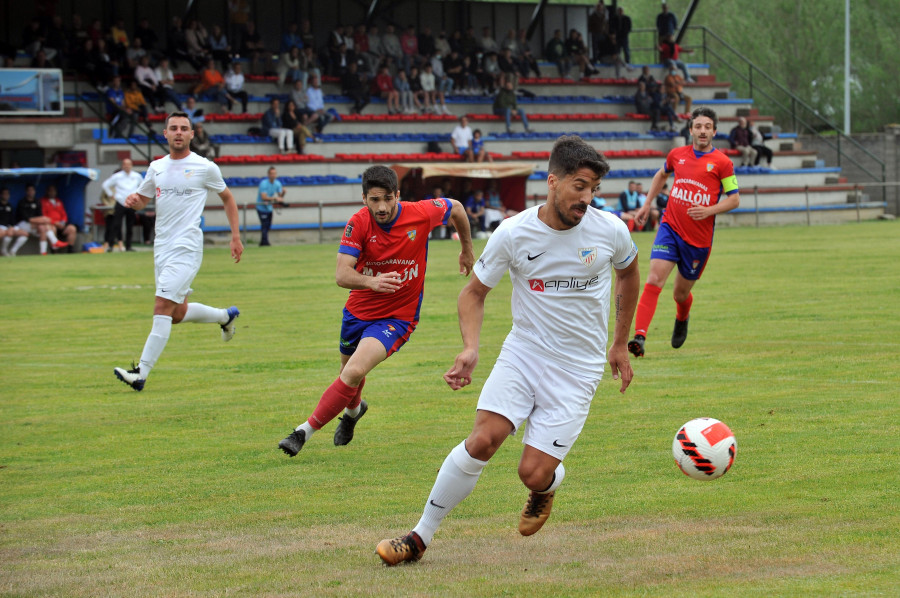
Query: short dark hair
380, 176
707, 112
571, 153
178, 114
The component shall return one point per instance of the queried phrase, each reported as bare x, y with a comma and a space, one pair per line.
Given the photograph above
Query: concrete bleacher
324, 186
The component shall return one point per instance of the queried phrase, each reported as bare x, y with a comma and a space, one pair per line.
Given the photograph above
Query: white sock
558, 474
51, 236
6, 242
308, 429
455, 481
18, 244
353, 412
197, 312
156, 342
43, 245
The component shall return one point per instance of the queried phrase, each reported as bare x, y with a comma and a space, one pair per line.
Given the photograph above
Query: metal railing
769, 96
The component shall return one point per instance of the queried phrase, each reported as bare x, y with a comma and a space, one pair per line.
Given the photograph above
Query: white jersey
180, 188
122, 184
561, 282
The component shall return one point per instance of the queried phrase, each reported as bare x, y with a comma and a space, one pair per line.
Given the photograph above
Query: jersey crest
411, 234
587, 255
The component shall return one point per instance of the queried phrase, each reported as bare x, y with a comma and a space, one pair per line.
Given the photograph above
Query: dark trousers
120, 213
240, 95
265, 223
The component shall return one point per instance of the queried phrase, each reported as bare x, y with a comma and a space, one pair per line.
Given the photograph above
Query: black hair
570, 153
380, 176
178, 114
707, 112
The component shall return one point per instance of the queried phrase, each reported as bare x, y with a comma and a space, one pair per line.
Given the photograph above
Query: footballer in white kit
180, 183
560, 257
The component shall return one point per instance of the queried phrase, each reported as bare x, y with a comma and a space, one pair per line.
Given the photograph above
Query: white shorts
525, 385
175, 271
25, 226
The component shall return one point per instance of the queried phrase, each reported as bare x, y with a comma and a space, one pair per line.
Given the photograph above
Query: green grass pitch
180, 490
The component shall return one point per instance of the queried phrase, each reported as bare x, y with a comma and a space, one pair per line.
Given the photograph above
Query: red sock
334, 399
683, 310
354, 403
646, 308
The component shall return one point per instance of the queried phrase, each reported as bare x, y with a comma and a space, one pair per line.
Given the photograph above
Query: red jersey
699, 180
54, 210
401, 246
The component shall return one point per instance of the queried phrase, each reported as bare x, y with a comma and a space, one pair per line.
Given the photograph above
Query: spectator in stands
461, 137
647, 78
669, 52
190, 108
556, 53
291, 39
341, 60
315, 103
598, 27
511, 42
76, 33
429, 90
653, 219
96, 64
376, 45
8, 228
167, 80
252, 47
409, 104
147, 35
53, 208
525, 57
355, 86
176, 42
309, 65
212, 81
621, 27
390, 43
57, 39
741, 139
273, 126
487, 44
219, 47
508, 68
33, 36
239, 13
643, 104
577, 51
202, 144
443, 84
659, 103
415, 86
426, 46
31, 219
386, 90
196, 40
134, 53
666, 22
118, 38
490, 73
674, 88
293, 120
454, 68
335, 39
119, 186
629, 203
475, 209
759, 144
270, 192
149, 84
137, 103
473, 75
609, 54
118, 113
95, 30
234, 87
469, 45
409, 44
306, 34
505, 105
478, 150
40, 60
289, 66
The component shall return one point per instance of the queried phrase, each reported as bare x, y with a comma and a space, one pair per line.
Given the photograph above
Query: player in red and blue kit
703, 175
381, 259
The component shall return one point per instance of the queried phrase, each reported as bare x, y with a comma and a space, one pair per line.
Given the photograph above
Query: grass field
180, 490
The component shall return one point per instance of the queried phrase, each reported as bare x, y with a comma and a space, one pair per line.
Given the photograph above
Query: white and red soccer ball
704, 448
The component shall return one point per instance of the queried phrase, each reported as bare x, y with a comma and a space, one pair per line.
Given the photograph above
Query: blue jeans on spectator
506, 113
265, 223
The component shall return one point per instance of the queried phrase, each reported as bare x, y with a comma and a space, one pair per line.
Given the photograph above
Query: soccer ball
704, 448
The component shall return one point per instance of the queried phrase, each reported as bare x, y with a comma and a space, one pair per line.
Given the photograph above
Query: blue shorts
391, 333
670, 247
